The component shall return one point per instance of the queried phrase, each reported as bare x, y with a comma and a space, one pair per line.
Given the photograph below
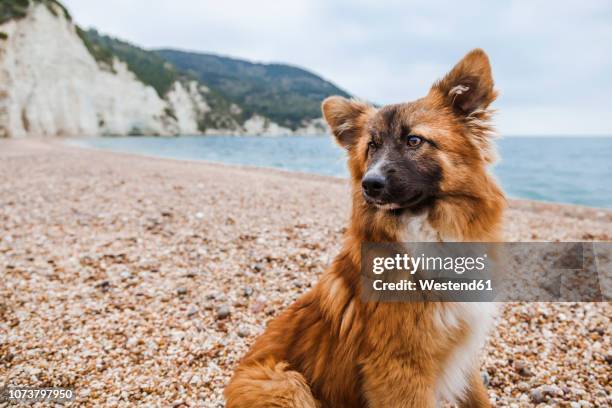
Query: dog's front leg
476, 395
388, 388
400, 396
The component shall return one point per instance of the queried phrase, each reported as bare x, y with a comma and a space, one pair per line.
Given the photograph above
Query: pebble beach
139, 281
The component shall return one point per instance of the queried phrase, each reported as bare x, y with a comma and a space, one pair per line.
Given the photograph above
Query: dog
418, 173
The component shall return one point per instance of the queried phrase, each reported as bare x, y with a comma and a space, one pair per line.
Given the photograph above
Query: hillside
155, 71
59, 79
288, 95
148, 67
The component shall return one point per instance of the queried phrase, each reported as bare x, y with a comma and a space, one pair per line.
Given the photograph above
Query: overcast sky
552, 60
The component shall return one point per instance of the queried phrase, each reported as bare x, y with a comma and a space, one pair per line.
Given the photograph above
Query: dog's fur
331, 349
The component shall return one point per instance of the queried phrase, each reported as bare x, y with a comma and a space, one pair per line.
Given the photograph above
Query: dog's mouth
396, 207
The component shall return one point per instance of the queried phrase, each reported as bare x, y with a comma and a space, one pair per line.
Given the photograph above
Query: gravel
125, 278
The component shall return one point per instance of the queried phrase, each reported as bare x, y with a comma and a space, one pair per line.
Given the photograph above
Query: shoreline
162, 273
290, 173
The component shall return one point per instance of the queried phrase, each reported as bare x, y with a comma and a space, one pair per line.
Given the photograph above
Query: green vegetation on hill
17, 9
101, 54
153, 70
150, 68
13, 9
285, 94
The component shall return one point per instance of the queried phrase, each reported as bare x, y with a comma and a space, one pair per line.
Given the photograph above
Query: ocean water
576, 170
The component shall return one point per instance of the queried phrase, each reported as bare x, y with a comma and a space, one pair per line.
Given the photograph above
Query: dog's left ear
468, 87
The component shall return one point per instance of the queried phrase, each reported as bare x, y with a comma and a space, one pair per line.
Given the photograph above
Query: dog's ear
345, 118
468, 87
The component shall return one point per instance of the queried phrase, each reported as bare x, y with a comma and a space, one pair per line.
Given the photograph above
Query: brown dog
419, 173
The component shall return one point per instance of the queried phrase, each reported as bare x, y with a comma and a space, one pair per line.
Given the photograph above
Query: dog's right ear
345, 118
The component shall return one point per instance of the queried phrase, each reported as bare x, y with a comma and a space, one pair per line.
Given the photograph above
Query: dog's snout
373, 184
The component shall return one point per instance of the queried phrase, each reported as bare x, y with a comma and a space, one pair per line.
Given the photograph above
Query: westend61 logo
477, 272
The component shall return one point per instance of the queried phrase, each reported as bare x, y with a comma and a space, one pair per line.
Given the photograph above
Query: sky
552, 60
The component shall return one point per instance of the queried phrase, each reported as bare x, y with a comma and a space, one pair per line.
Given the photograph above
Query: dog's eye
414, 141
372, 145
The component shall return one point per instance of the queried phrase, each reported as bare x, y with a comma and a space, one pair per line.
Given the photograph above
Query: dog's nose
373, 184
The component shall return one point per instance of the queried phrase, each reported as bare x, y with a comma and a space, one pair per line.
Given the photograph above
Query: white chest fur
478, 317
418, 229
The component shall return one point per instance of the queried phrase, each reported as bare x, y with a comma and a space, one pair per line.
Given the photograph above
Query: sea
563, 169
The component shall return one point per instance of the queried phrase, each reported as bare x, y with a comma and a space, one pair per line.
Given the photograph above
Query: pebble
248, 291
181, 291
103, 285
537, 396
552, 390
601, 393
522, 369
243, 331
257, 307
486, 379
522, 386
192, 311
223, 311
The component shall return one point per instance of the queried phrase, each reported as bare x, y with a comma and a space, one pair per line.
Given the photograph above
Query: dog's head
408, 156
